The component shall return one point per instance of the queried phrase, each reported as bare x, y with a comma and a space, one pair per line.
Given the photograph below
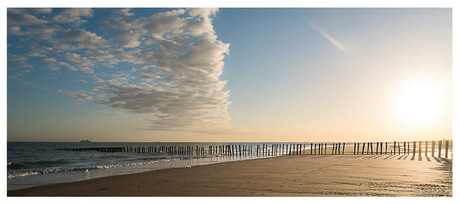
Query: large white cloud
175, 62
181, 89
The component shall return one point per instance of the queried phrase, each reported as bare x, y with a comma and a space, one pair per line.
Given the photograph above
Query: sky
229, 74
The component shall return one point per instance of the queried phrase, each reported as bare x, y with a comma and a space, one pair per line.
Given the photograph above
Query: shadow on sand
399, 157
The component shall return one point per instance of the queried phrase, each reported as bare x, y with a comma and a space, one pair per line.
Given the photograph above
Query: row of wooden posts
404, 148
281, 149
229, 149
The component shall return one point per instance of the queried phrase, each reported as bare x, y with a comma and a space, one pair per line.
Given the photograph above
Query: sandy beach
300, 175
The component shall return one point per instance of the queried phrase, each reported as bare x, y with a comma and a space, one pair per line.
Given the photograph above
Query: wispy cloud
76, 95
330, 38
74, 15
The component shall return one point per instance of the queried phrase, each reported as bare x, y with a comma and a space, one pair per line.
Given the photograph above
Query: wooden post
426, 148
357, 148
419, 148
323, 145
367, 152
354, 148
447, 149
404, 147
415, 147
439, 148
300, 149
372, 149
364, 145
408, 148
433, 146
320, 147
325, 148
386, 147
275, 149
332, 152
343, 148
377, 148
315, 149
335, 148
394, 147
311, 148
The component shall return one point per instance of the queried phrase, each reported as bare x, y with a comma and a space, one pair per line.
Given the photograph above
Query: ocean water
41, 163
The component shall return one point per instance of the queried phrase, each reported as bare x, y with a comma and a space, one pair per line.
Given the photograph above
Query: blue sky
224, 74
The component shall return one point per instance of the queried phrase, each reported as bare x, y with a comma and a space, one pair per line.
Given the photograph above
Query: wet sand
300, 175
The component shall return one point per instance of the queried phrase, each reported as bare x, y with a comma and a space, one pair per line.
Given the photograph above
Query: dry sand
301, 175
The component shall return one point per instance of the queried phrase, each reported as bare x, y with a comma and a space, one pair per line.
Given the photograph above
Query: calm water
34, 164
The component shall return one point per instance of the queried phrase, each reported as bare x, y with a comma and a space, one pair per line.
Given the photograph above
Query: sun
419, 101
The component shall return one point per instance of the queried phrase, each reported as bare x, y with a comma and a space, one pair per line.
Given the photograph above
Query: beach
300, 175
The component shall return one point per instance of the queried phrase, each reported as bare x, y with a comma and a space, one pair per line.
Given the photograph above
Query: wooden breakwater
441, 148
286, 149
264, 149
99, 149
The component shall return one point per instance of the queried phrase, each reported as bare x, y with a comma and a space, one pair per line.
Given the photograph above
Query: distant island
85, 141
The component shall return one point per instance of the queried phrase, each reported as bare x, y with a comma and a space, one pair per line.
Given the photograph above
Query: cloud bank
167, 65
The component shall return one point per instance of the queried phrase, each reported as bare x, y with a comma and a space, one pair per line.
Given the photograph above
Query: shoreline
299, 175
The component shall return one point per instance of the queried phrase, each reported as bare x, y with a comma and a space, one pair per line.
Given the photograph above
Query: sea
41, 163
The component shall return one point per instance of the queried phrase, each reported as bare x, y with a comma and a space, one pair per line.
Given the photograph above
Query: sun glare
419, 102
